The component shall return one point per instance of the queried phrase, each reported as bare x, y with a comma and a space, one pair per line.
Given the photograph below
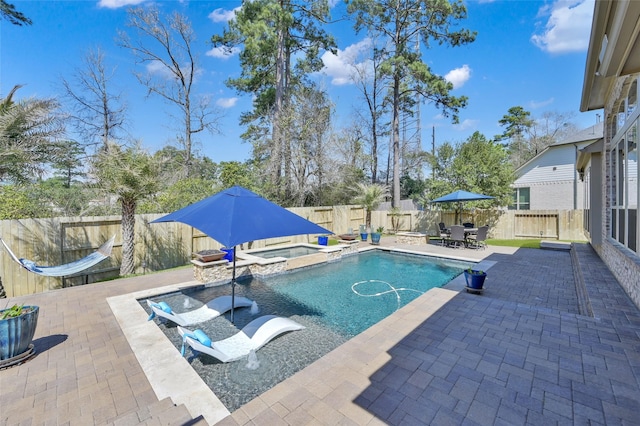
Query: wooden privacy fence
161, 246
566, 225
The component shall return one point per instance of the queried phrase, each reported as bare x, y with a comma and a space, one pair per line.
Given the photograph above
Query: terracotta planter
209, 255
16, 333
347, 237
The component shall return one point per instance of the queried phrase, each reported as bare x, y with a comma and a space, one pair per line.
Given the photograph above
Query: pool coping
170, 375
168, 372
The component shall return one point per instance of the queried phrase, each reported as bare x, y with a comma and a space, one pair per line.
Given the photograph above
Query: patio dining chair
456, 238
444, 233
478, 240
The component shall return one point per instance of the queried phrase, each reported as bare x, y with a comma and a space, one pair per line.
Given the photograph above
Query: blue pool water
288, 252
351, 296
334, 301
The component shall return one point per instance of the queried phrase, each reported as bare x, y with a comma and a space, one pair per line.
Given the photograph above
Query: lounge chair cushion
206, 312
159, 305
198, 335
252, 337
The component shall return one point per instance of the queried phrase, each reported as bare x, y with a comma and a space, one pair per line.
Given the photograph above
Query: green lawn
532, 243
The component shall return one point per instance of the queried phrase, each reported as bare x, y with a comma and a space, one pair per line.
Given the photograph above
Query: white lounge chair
253, 336
212, 309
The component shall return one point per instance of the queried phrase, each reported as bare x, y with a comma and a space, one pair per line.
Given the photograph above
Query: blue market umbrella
460, 196
236, 216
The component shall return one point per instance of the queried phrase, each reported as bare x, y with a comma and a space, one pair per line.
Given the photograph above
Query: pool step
308, 260
163, 412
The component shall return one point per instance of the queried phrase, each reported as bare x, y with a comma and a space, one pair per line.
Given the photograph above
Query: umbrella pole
233, 283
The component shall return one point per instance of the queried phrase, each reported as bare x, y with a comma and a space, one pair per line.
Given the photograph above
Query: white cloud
223, 15
466, 125
541, 104
114, 4
341, 67
157, 68
568, 27
227, 102
221, 53
459, 76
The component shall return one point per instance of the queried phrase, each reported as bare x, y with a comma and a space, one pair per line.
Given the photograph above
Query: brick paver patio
520, 353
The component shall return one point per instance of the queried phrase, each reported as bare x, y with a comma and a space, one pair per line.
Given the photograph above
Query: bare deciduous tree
368, 77
97, 112
165, 46
550, 128
306, 123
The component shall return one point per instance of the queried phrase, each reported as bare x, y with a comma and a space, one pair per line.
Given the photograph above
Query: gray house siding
551, 176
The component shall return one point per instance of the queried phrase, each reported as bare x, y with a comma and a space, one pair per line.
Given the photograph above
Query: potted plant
17, 327
363, 232
474, 278
375, 236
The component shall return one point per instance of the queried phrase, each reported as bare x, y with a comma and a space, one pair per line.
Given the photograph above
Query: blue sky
527, 53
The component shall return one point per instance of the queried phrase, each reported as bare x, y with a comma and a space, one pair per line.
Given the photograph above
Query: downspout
575, 178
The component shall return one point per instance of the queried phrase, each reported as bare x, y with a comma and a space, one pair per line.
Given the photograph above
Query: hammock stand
68, 268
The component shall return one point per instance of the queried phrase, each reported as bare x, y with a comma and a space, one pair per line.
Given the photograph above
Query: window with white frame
623, 169
521, 199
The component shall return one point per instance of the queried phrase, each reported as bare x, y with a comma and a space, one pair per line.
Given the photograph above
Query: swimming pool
333, 301
286, 252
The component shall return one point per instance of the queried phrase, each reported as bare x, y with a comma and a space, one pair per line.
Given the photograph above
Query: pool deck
523, 352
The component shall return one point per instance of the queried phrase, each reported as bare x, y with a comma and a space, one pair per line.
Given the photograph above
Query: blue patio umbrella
460, 196
236, 216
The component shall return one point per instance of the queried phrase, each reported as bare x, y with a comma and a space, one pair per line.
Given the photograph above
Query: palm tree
28, 129
132, 175
369, 196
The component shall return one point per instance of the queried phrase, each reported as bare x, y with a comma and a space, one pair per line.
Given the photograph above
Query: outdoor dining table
470, 231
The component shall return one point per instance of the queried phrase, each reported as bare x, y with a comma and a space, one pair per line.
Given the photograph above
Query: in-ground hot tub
288, 252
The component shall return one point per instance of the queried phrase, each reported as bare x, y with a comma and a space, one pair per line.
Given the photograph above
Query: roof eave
592, 84
614, 50
584, 155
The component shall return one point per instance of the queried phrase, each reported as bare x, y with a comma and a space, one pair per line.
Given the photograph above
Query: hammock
68, 268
